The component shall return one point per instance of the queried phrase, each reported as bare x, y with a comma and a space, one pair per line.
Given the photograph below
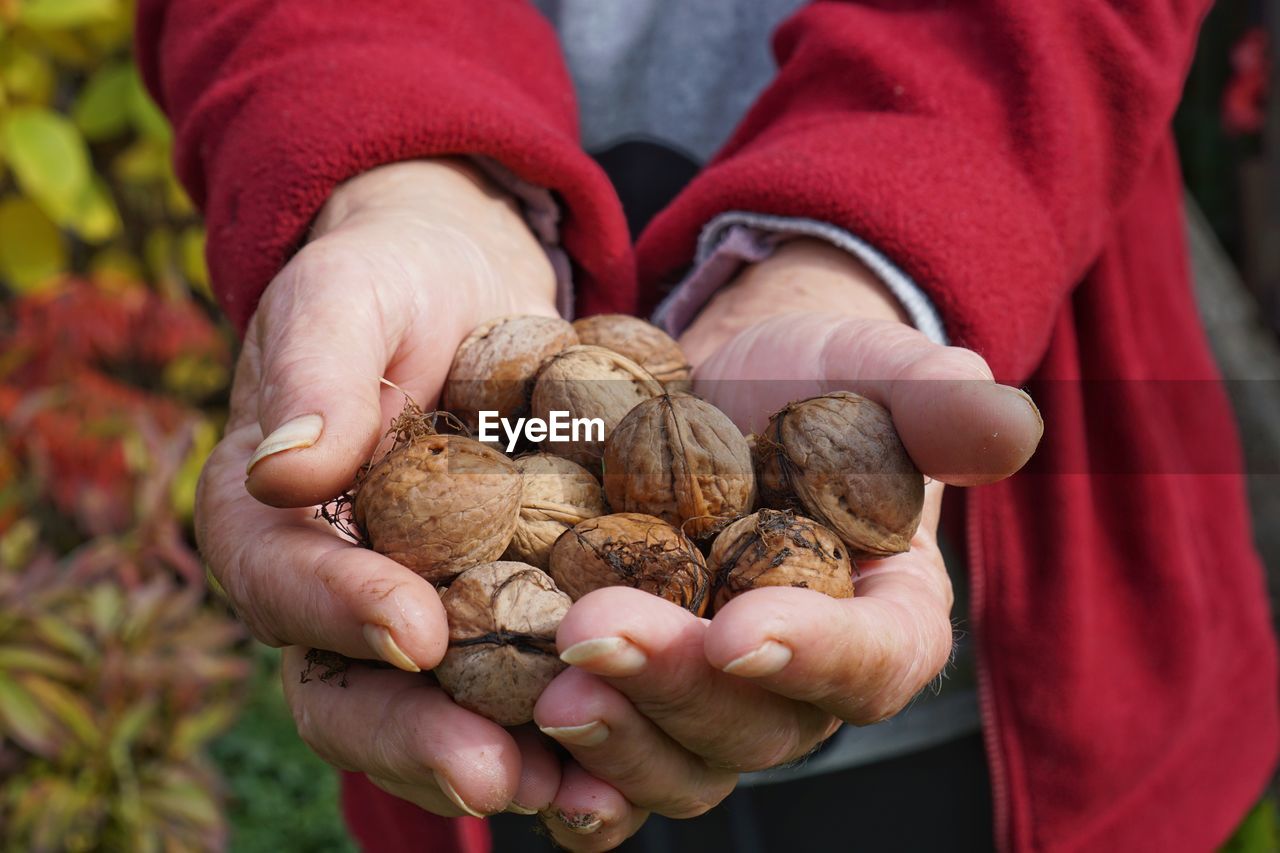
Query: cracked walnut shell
439, 504
502, 639
589, 382
557, 494
494, 366
643, 343
681, 459
838, 459
777, 548
631, 549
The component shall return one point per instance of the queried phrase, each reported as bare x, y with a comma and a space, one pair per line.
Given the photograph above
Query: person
923, 197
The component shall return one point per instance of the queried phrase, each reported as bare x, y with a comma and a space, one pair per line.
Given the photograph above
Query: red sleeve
274, 103
983, 145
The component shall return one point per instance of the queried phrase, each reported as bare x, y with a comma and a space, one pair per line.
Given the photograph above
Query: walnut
773, 548
589, 382
683, 460
439, 504
838, 459
557, 494
494, 367
502, 639
631, 549
643, 343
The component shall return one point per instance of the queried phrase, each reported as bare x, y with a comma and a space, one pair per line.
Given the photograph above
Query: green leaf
25, 721
147, 118
106, 607
67, 706
193, 731
61, 14
61, 634
184, 803
102, 110
49, 160
32, 251
38, 660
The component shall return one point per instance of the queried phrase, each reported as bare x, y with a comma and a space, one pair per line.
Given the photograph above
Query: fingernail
516, 808
606, 656
1035, 410
766, 660
583, 824
593, 733
302, 431
452, 794
384, 646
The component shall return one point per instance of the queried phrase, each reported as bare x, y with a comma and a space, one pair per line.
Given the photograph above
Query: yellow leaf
183, 491
48, 158
193, 262
32, 252
142, 162
63, 14
14, 658
102, 109
158, 249
114, 266
96, 219
26, 75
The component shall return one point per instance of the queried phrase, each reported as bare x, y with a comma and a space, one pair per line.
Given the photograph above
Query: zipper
986, 691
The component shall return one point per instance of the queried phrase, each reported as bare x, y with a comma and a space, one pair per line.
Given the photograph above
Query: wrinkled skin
403, 263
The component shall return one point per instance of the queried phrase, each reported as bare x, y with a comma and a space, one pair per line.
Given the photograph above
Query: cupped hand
403, 262
665, 706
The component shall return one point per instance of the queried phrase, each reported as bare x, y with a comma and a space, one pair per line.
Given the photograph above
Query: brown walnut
439, 504
838, 459
778, 548
589, 382
643, 343
502, 639
494, 367
631, 549
557, 494
681, 459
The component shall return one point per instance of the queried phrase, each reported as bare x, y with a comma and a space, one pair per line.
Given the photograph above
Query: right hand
403, 262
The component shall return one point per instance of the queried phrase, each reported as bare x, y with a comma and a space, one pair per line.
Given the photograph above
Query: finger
652, 651
400, 728
958, 425
324, 342
611, 740
861, 659
539, 773
295, 582
590, 815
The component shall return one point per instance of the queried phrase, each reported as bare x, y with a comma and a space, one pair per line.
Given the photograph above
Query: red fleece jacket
1014, 157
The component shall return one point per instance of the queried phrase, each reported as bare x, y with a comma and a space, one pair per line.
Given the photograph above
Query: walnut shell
494, 367
773, 548
589, 382
557, 494
838, 459
683, 460
502, 639
440, 504
643, 343
631, 549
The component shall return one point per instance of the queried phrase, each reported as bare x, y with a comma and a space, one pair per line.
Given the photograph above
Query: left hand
661, 709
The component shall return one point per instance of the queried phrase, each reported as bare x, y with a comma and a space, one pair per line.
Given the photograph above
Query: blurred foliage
117, 667
86, 181
271, 773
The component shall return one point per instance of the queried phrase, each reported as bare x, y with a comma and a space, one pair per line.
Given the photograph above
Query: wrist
456, 221
802, 275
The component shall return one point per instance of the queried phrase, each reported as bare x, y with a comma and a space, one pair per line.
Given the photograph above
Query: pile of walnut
675, 501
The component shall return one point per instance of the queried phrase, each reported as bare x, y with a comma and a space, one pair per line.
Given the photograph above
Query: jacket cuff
736, 238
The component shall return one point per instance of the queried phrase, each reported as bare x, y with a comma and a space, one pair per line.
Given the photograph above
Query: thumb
323, 348
956, 422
